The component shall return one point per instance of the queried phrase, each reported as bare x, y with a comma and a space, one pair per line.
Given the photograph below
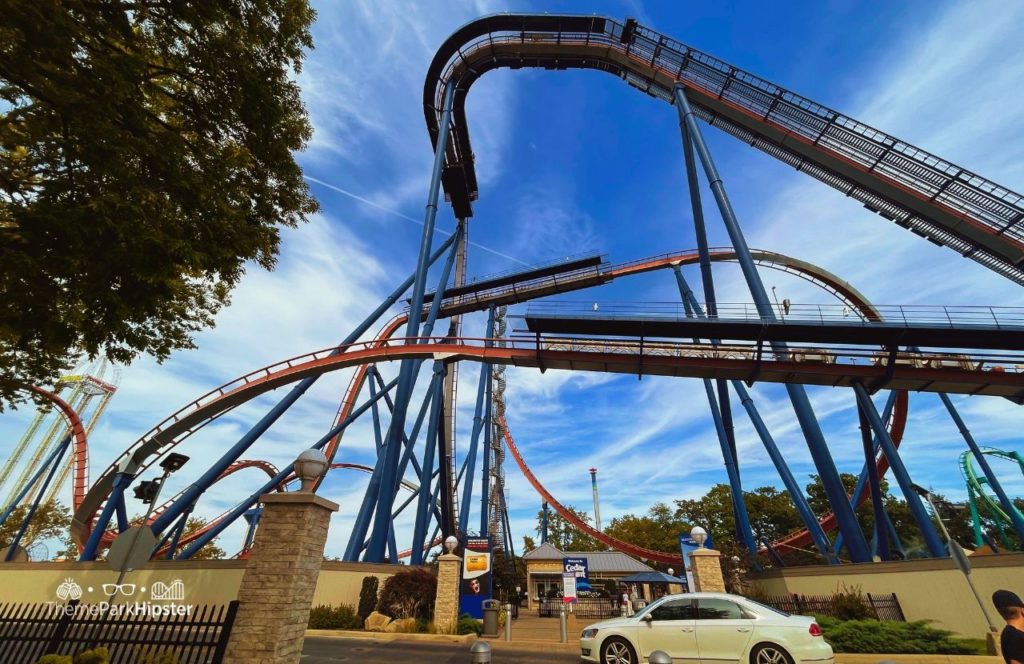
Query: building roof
597, 561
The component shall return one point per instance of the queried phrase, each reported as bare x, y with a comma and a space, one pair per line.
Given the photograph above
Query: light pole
956, 552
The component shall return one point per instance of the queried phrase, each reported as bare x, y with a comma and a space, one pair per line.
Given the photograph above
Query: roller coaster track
976, 483
668, 359
932, 197
80, 446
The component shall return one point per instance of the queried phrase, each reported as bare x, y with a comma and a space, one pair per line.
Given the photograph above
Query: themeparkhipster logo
163, 600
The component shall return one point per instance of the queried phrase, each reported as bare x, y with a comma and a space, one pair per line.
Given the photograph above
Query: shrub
334, 617
157, 658
469, 625
874, 636
368, 596
97, 656
408, 594
848, 604
55, 659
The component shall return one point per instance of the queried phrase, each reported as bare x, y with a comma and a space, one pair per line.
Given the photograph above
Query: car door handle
687, 629
742, 629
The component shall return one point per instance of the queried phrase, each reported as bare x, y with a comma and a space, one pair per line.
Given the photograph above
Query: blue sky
578, 161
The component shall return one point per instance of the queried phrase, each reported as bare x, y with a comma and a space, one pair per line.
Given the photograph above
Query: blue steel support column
176, 533
35, 478
993, 481
485, 483
423, 510
121, 482
254, 498
210, 476
375, 410
707, 281
736, 488
54, 463
478, 427
899, 471
252, 517
816, 443
390, 479
877, 507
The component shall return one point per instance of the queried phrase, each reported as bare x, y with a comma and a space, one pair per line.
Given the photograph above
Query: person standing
1011, 608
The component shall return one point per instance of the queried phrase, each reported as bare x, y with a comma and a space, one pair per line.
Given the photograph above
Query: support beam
877, 506
423, 508
478, 428
990, 476
816, 443
792, 486
53, 463
485, 475
899, 471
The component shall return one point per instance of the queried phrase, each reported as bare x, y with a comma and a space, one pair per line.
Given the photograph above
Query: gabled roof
545, 552
597, 561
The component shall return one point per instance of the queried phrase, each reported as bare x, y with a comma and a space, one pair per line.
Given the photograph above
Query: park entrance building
544, 567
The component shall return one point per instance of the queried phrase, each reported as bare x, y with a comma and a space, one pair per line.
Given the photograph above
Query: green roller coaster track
976, 491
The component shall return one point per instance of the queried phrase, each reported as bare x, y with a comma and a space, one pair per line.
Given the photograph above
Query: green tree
563, 535
659, 529
528, 544
51, 521
146, 155
209, 552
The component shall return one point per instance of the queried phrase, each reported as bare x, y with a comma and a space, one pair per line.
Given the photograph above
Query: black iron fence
130, 632
583, 607
883, 607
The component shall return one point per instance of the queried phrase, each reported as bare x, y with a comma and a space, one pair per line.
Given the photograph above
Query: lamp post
956, 552
309, 467
699, 535
450, 543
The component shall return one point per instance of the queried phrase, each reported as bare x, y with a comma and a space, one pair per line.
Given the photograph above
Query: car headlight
588, 633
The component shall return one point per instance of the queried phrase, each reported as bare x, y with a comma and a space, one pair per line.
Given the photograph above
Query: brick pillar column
446, 602
280, 577
707, 571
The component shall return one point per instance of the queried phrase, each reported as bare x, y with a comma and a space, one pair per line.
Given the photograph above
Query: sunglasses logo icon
126, 589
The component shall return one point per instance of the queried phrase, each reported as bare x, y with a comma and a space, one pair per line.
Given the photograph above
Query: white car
707, 628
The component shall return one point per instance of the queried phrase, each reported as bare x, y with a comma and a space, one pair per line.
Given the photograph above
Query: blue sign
578, 568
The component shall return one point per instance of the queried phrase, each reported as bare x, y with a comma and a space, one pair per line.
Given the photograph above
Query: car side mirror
647, 618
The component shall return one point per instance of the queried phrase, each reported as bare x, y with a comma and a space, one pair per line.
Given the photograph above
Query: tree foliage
659, 529
563, 535
368, 596
51, 521
145, 157
408, 594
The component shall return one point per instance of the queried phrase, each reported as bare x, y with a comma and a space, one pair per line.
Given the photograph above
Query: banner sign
476, 576
568, 588
578, 568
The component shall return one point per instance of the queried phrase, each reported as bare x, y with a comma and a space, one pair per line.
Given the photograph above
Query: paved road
319, 650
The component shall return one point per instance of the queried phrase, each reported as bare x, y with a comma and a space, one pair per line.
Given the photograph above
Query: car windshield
764, 609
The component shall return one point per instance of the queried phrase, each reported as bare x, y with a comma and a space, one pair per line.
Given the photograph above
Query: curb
390, 636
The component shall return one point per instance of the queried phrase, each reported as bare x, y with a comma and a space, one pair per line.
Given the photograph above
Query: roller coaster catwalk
853, 346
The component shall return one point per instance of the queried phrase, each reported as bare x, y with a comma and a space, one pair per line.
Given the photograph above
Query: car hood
612, 623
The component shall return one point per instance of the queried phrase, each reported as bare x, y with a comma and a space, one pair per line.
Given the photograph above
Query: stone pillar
446, 602
707, 571
280, 577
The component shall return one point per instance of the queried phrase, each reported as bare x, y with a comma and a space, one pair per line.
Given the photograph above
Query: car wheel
769, 653
618, 651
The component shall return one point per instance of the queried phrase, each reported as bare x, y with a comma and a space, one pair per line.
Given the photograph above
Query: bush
874, 636
368, 596
469, 625
408, 594
157, 658
55, 659
334, 617
848, 604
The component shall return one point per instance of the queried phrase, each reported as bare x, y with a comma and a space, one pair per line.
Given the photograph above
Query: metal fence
584, 607
884, 607
129, 632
